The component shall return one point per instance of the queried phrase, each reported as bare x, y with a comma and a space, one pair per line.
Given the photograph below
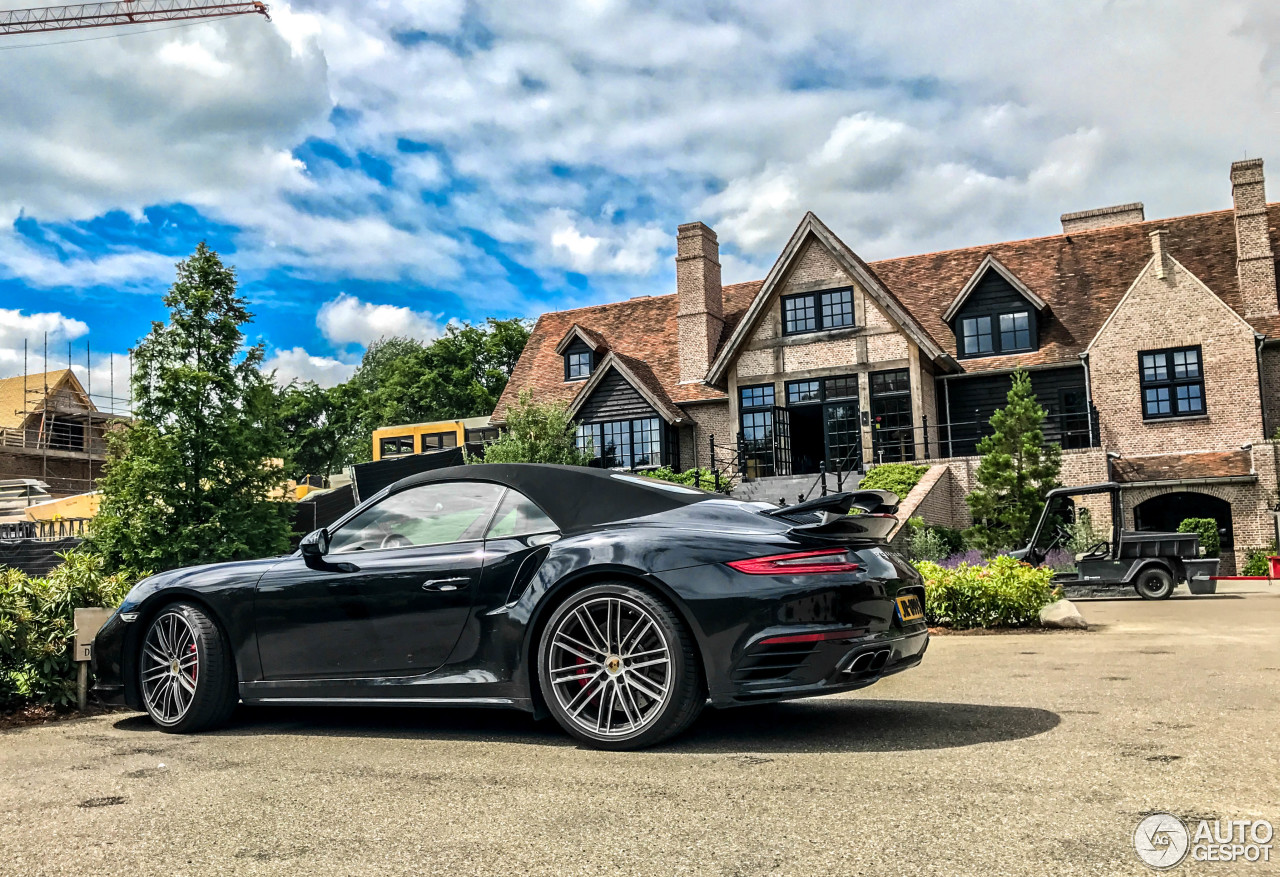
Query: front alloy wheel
617, 668
185, 671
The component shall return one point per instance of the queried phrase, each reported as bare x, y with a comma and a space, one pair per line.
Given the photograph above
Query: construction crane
50, 18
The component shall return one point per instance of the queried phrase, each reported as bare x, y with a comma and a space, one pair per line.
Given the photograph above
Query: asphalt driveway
1007, 754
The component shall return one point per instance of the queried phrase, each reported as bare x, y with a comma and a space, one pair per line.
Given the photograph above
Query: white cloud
348, 320
582, 132
17, 327
297, 364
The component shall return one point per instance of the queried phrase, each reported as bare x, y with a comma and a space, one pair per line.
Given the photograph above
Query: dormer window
995, 313
577, 365
817, 311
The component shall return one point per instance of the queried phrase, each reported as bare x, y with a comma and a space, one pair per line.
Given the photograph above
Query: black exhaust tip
862, 662
879, 659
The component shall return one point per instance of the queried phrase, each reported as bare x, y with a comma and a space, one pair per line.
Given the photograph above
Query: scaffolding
62, 424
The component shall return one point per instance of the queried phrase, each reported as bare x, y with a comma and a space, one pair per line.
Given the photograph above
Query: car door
389, 598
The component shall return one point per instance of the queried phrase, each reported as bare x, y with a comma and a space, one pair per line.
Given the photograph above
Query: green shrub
1208, 530
1000, 593
36, 624
1257, 563
896, 478
703, 479
1080, 535
536, 433
925, 543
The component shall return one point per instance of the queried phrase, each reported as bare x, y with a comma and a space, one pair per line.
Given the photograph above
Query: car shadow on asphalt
840, 725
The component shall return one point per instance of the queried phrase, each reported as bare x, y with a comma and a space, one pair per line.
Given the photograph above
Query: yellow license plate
909, 608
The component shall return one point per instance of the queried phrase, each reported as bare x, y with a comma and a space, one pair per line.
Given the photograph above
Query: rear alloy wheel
618, 668
185, 671
1154, 584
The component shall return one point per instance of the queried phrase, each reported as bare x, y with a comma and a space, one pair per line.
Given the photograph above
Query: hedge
1000, 593
1208, 530
36, 624
703, 479
897, 478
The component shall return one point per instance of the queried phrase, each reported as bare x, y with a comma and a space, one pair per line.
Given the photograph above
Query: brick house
1153, 345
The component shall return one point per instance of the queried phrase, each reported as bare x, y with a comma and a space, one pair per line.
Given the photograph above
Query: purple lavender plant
1060, 560
972, 557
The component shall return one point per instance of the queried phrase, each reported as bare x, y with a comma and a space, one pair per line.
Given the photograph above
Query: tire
194, 687
1154, 583
618, 668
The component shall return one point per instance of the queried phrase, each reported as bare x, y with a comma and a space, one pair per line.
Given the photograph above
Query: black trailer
1150, 562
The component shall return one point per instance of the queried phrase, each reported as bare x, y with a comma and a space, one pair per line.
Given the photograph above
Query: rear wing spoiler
867, 514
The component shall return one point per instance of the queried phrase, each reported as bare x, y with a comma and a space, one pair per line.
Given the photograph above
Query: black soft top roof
575, 497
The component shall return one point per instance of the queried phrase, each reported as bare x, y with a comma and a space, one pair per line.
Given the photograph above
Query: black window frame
1016, 348
768, 397
830, 388
394, 445
816, 304
995, 332
650, 431
569, 364
1164, 377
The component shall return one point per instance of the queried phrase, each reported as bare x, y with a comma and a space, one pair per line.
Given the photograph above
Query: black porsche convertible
617, 604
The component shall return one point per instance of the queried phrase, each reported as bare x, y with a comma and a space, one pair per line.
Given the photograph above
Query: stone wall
709, 418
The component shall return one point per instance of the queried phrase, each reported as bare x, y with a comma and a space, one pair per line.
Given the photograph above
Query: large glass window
577, 366
1015, 332
893, 433
432, 514
813, 311
623, 444
1172, 383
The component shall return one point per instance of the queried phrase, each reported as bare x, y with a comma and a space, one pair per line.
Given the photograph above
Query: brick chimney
1160, 249
701, 301
1255, 263
1103, 217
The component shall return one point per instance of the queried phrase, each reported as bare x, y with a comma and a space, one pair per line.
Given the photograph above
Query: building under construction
52, 430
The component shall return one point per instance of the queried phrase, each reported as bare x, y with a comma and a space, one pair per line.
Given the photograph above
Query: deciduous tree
189, 480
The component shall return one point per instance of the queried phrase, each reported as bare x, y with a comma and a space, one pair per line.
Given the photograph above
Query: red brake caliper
194, 667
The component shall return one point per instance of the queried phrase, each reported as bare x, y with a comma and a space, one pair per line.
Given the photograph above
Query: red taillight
811, 637
800, 563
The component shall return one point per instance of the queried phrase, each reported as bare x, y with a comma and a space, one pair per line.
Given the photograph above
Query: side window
433, 514
518, 516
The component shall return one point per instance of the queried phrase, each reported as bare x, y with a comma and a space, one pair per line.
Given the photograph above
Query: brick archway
1166, 511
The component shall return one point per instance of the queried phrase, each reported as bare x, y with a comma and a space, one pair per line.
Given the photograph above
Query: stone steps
787, 489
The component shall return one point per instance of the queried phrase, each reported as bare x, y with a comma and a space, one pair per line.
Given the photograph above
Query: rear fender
1152, 563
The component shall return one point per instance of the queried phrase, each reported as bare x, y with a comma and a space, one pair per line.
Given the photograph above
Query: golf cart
1152, 563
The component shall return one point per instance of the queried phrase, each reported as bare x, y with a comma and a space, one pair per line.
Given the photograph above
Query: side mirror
315, 544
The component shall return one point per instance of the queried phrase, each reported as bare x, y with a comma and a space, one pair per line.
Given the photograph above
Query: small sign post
87, 622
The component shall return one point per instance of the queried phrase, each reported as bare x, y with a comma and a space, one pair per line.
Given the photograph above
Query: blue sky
385, 168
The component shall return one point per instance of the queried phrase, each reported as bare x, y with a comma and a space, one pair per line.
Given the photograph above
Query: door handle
445, 584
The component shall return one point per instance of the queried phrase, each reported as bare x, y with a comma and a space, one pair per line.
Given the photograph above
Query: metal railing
960, 438
58, 439
61, 528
